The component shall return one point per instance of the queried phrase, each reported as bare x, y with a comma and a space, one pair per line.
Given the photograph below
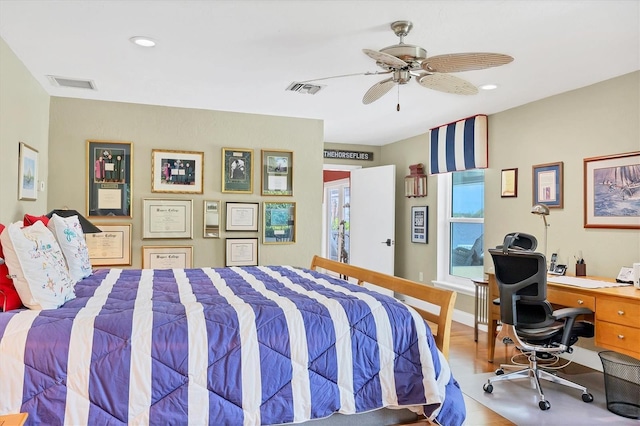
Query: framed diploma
241, 252
167, 257
167, 218
279, 223
178, 172
277, 172
237, 170
109, 178
111, 247
242, 216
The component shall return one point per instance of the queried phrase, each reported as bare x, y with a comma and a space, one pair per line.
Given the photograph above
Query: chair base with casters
534, 372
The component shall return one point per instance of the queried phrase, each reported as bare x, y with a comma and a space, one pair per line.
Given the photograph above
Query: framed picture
279, 223
27, 172
547, 185
109, 178
211, 216
242, 216
612, 191
277, 172
167, 257
509, 183
237, 170
167, 218
178, 172
420, 224
111, 247
241, 252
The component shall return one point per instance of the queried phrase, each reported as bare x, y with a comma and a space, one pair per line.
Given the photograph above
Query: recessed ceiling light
143, 41
489, 86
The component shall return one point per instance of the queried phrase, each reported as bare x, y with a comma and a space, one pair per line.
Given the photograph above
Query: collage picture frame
179, 172
277, 173
109, 179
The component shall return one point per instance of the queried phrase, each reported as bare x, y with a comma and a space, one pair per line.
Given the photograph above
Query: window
460, 229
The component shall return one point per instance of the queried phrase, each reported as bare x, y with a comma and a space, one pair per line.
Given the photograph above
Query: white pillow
37, 266
68, 232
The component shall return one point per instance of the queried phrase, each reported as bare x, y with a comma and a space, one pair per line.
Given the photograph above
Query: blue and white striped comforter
236, 346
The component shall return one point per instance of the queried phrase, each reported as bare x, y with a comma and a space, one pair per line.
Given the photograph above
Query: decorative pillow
29, 220
68, 232
9, 298
37, 266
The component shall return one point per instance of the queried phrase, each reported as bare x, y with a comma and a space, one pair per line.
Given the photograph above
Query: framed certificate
277, 172
111, 247
167, 218
109, 177
167, 257
242, 216
241, 252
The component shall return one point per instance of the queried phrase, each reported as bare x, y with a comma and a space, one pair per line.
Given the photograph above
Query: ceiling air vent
72, 82
306, 88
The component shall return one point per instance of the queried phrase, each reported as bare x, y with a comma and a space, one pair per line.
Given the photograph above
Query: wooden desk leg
491, 338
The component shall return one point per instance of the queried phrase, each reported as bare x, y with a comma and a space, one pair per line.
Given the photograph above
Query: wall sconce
415, 183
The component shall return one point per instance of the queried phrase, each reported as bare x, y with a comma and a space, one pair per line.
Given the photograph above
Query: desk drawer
618, 311
571, 299
616, 336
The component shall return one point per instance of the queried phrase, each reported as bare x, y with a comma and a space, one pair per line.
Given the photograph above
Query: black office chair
529, 319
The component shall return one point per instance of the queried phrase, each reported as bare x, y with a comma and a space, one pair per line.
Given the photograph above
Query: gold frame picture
109, 179
178, 172
277, 172
237, 170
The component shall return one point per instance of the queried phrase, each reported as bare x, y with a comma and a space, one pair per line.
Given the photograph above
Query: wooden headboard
444, 299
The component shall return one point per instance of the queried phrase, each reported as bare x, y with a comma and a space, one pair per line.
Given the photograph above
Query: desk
617, 313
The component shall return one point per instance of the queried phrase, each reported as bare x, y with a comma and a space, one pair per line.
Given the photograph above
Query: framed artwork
241, 252
237, 170
547, 185
109, 179
211, 216
178, 172
420, 224
509, 183
279, 223
167, 218
111, 247
27, 172
242, 216
277, 172
612, 191
167, 257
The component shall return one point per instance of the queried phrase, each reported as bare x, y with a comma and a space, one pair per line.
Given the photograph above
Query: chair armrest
570, 312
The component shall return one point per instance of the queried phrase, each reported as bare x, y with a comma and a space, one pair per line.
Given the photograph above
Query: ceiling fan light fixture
143, 41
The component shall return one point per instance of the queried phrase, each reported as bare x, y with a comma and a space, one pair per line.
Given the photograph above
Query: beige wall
24, 117
73, 121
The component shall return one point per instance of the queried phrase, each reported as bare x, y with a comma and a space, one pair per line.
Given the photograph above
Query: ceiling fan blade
447, 83
385, 58
376, 91
458, 62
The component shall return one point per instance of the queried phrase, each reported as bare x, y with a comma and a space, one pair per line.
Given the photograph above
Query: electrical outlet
420, 276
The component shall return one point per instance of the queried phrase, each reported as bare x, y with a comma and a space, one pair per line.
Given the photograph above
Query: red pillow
30, 220
9, 298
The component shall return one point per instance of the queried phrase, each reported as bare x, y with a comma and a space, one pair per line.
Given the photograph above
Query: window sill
467, 289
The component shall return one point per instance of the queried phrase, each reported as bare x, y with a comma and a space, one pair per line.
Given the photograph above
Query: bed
229, 346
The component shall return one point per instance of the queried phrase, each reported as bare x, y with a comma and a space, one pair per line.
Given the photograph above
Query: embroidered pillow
68, 232
9, 298
37, 266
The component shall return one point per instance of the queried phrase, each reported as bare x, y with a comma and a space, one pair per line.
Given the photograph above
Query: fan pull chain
398, 106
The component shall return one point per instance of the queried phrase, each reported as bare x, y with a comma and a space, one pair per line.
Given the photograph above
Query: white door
372, 224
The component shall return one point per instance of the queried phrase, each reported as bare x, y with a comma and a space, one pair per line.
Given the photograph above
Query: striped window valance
461, 145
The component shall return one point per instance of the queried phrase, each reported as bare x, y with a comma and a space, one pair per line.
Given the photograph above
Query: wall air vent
72, 82
306, 88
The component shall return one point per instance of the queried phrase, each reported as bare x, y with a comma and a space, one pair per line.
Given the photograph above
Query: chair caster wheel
488, 387
544, 405
587, 397
499, 372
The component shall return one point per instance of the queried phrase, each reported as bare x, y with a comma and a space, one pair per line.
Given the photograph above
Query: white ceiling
241, 55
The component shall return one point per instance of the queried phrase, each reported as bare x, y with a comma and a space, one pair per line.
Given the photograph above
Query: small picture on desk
559, 270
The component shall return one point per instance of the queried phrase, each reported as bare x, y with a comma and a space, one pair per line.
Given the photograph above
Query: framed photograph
178, 172
509, 183
547, 185
27, 172
277, 172
167, 218
109, 179
420, 224
167, 257
279, 223
237, 170
612, 191
241, 252
211, 216
242, 216
111, 247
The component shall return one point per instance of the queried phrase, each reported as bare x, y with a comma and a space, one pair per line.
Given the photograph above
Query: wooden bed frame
444, 299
